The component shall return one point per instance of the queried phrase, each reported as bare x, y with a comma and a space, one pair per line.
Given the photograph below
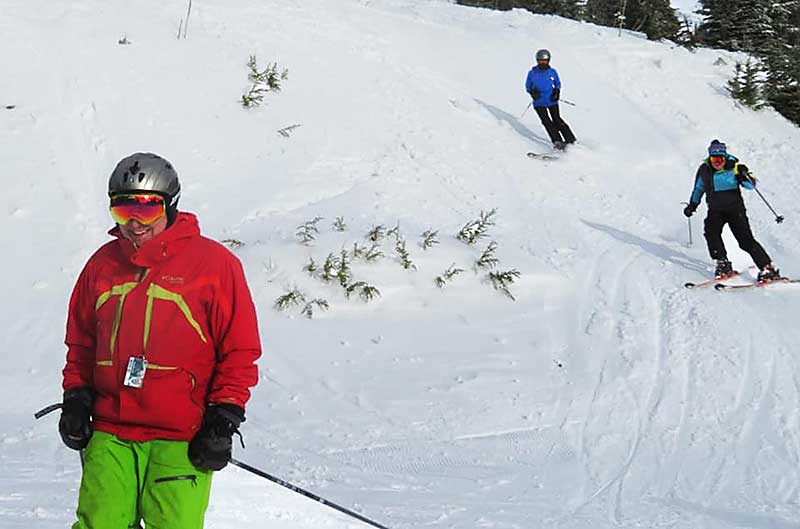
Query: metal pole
778, 218
305, 493
526, 109
689, 220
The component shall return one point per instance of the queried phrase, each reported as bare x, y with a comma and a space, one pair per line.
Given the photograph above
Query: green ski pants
125, 482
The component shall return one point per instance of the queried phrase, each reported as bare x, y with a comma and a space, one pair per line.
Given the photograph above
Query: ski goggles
146, 209
717, 158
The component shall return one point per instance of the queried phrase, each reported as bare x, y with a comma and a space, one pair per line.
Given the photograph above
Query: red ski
780, 280
716, 280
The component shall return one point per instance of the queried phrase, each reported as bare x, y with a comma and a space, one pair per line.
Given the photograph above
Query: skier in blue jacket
719, 178
544, 86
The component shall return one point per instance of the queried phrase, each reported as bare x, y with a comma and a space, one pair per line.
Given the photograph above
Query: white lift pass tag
134, 376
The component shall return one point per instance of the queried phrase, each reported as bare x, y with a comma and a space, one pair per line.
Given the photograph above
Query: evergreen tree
746, 84
564, 8
603, 12
715, 22
655, 18
737, 25
782, 58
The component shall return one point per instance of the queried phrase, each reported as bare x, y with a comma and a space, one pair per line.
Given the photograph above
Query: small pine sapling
311, 266
502, 280
429, 239
359, 251
368, 293
365, 291
373, 254
447, 275
394, 232
377, 233
405, 260
329, 268
233, 244
476, 229
308, 310
308, 231
263, 81
339, 224
287, 131
290, 299
343, 273
487, 260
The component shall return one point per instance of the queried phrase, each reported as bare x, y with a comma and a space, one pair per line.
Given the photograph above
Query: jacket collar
164, 246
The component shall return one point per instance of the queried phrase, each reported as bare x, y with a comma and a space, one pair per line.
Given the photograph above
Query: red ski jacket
182, 302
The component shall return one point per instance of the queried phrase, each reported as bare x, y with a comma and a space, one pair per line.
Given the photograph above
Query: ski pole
689, 220
305, 493
526, 109
778, 218
568, 102
50, 409
294, 488
47, 409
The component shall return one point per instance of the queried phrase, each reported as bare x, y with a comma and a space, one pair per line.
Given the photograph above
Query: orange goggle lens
146, 209
717, 159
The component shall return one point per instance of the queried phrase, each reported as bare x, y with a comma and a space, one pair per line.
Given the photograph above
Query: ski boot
559, 145
724, 268
768, 273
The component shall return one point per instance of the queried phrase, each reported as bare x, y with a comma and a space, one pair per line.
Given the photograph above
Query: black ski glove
75, 425
556, 94
743, 174
212, 446
689, 210
535, 93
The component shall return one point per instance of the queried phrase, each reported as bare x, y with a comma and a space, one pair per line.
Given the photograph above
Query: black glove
535, 93
743, 173
212, 446
689, 210
75, 425
556, 94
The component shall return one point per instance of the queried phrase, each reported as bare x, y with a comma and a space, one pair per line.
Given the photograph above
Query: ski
542, 156
780, 280
715, 280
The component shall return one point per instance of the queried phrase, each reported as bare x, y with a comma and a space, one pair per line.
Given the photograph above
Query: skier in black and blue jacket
719, 178
544, 87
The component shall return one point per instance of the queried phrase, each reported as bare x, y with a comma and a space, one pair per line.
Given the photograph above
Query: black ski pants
556, 128
736, 219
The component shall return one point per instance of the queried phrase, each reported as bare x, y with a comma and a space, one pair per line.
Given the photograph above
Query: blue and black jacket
721, 187
545, 81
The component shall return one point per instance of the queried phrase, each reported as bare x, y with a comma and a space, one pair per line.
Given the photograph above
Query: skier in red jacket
162, 342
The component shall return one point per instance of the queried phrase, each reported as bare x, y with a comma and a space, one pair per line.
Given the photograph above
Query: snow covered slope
606, 395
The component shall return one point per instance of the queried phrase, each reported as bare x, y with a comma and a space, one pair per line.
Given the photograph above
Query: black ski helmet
145, 172
543, 55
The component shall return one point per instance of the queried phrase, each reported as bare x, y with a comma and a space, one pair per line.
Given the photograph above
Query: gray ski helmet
542, 55
145, 172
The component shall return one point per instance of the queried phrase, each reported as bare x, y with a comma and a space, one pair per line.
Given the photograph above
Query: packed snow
605, 395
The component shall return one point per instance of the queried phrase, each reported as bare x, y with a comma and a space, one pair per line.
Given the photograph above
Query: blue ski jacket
720, 187
545, 81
